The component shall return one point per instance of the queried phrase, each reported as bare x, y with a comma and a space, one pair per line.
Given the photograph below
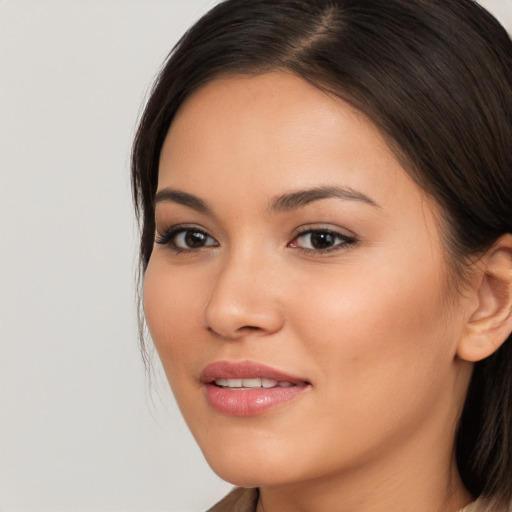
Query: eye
186, 238
321, 240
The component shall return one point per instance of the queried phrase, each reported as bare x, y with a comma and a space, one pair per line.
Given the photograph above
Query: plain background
79, 429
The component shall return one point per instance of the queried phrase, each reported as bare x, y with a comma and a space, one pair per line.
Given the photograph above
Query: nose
245, 299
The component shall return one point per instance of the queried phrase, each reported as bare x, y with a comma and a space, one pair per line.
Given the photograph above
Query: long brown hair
436, 77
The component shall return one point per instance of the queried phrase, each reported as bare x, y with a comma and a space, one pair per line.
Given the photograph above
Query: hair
435, 76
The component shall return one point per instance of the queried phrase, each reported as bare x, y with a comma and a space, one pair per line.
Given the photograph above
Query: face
296, 291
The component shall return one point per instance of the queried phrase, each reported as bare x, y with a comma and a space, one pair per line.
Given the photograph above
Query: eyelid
169, 234
346, 240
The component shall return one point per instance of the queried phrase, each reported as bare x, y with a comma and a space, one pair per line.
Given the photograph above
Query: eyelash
169, 236
344, 241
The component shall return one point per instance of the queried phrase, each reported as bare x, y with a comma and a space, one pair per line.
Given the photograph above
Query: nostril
246, 329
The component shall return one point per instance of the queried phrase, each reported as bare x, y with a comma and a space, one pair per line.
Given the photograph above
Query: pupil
194, 239
322, 240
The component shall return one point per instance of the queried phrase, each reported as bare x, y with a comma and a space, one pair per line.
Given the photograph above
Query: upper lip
245, 370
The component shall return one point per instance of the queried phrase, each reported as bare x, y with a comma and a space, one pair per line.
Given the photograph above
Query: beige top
245, 500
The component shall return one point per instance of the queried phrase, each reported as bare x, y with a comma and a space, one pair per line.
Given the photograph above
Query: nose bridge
243, 297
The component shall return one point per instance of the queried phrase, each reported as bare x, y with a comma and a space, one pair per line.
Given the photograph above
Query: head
413, 101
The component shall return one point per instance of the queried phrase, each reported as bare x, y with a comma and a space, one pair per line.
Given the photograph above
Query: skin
369, 324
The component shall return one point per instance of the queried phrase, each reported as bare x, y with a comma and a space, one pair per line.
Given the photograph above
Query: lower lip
249, 401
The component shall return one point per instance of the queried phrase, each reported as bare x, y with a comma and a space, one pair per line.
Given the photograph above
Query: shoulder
238, 500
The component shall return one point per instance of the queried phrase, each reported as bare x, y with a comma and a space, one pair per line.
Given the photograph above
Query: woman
324, 189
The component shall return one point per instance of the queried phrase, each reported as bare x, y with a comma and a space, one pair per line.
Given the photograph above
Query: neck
427, 481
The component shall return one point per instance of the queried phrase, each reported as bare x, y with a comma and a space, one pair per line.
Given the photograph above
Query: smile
252, 383
248, 388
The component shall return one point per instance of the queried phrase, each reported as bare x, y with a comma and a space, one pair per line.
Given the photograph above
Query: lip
244, 370
245, 401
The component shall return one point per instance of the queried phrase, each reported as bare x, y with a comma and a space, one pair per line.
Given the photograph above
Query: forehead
277, 125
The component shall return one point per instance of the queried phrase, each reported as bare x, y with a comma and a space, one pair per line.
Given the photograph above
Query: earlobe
490, 323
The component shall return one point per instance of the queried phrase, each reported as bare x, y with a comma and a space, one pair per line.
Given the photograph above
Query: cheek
370, 304
172, 308
381, 338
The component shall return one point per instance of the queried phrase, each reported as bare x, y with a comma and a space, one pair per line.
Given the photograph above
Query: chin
248, 475
257, 464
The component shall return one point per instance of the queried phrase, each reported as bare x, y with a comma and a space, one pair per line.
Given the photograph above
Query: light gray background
79, 430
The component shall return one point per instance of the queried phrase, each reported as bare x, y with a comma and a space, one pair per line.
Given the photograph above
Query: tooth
251, 383
254, 382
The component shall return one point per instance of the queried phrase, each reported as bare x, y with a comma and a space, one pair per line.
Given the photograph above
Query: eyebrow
279, 204
177, 196
295, 200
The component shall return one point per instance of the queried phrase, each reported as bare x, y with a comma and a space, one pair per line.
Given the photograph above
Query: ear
490, 321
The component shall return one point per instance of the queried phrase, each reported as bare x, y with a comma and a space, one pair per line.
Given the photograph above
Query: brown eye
186, 239
321, 240
191, 239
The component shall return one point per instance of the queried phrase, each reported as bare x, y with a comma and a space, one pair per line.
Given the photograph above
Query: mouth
252, 383
248, 388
